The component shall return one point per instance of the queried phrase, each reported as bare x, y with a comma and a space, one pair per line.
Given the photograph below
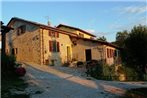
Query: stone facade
43, 44
79, 50
26, 46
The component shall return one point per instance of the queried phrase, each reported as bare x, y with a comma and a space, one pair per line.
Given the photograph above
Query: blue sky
98, 17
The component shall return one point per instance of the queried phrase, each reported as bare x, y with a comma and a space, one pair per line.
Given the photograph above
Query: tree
121, 37
103, 38
136, 49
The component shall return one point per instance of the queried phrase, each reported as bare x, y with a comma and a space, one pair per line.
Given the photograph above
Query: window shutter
49, 32
57, 34
108, 53
50, 46
58, 47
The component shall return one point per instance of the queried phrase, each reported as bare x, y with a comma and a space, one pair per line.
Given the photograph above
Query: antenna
48, 20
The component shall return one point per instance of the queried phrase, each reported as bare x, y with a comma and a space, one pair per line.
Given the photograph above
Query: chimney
49, 24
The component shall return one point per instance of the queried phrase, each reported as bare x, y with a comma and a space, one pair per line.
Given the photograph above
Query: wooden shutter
50, 46
57, 34
49, 32
58, 47
108, 53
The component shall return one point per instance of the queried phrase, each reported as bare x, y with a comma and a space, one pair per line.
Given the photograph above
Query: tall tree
121, 37
136, 48
103, 38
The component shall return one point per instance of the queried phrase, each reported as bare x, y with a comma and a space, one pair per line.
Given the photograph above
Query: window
81, 35
111, 53
21, 29
14, 51
54, 46
53, 34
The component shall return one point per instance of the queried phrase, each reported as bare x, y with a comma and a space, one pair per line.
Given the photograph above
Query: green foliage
100, 71
137, 93
80, 64
136, 49
103, 38
145, 77
121, 37
109, 72
8, 65
96, 71
66, 64
130, 73
12, 83
134, 44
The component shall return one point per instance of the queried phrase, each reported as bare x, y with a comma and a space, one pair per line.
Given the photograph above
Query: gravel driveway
62, 82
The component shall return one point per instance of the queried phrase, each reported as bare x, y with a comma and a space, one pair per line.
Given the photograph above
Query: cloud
128, 17
97, 33
128, 26
133, 10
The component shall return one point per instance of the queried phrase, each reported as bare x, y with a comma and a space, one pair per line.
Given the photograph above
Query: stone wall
79, 50
26, 45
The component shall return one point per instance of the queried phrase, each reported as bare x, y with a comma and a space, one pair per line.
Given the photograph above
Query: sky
99, 17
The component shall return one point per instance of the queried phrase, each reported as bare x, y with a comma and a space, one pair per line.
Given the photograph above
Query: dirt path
59, 82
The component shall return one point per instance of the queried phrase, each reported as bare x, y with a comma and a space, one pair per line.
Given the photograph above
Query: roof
61, 31
97, 41
63, 25
41, 25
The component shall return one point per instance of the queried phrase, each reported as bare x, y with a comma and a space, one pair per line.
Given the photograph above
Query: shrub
79, 64
66, 64
8, 65
131, 74
109, 72
97, 70
94, 68
145, 77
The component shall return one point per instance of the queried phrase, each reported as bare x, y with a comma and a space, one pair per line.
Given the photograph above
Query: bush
109, 72
145, 77
66, 64
94, 68
8, 65
11, 68
131, 74
97, 70
79, 64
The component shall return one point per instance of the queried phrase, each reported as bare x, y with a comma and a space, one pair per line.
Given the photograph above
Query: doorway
88, 54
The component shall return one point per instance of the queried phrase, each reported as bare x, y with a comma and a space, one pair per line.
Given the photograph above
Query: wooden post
4, 30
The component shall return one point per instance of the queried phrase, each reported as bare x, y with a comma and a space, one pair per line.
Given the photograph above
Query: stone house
43, 44
89, 48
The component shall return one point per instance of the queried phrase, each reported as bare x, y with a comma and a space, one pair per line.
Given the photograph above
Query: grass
14, 83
